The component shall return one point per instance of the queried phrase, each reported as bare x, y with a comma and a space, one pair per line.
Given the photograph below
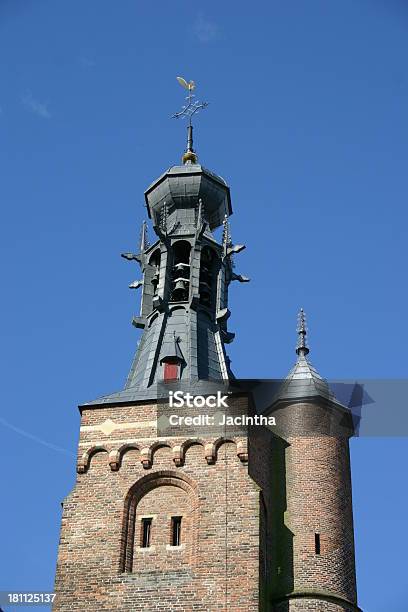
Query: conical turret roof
303, 381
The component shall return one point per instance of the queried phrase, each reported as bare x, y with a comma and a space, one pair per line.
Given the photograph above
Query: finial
226, 234
302, 348
188, 110
144, 240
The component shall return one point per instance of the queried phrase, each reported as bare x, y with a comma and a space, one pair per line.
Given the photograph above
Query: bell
180, 284
155, 282
181, 270
180, 290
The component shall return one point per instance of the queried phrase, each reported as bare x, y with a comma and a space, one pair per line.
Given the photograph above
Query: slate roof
303, 381
158, 391
183, 186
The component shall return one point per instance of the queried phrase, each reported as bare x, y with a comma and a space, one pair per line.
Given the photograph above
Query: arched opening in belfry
180, 281
154, 261
208, 262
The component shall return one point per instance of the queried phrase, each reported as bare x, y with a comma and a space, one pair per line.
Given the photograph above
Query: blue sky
307, 122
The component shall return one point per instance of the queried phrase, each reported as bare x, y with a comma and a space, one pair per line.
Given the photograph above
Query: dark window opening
175, 530
146, 532
317, 543
155, 263
181, 272
171, 371
207, 277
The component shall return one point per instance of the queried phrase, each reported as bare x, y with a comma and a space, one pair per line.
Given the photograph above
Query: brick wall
251, 506
314, 508
127, 472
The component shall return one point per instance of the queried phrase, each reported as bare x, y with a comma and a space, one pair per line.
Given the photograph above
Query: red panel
171, 371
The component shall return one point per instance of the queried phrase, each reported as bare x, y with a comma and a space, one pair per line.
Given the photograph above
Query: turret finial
302, 348
188, 110
226, 234
144, 240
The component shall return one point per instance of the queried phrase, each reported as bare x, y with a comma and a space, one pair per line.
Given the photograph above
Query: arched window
208, 264
160, 523
154, 261
180, 286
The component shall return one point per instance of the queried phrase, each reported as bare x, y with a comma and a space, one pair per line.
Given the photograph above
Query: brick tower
241, 520
312, 565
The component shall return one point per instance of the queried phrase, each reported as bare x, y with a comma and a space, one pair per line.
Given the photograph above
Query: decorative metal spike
302, 348
226, 234
130, 256
144, 239
240, 277
136, 284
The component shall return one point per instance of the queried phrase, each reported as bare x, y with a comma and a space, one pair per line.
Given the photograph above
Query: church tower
243, 519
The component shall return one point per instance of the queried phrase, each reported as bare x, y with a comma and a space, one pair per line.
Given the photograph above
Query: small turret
313, 562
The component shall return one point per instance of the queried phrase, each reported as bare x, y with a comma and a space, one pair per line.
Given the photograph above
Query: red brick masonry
250, 508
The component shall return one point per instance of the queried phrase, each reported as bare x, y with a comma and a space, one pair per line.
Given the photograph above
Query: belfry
186, 274
243, 519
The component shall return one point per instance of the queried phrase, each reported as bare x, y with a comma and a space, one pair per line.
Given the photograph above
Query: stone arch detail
179, 452
147, 454
136, 493
85, 460
116, 456
220, 442
211, 453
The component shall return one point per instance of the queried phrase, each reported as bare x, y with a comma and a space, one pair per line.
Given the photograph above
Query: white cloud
87, 62
35, 106
205, 30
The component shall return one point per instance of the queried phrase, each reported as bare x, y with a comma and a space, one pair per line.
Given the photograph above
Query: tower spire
302, 348
144, 240
188, 110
